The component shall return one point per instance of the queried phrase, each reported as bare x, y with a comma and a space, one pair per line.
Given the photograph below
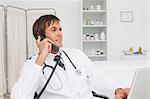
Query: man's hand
44, 48
121, 93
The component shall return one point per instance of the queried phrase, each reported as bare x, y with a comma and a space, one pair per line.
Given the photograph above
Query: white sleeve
100, 81
28, 81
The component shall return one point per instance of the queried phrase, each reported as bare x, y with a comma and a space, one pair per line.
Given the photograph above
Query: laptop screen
140, 88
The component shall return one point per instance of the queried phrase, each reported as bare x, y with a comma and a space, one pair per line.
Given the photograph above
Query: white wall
67, 10
122, 35
149, 30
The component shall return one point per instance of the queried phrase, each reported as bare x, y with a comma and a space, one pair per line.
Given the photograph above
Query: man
75, 79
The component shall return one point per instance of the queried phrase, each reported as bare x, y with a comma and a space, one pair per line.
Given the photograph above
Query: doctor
75, 79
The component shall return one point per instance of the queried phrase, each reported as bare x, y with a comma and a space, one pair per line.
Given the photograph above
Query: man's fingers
48, 40
118, 97
44, 40
38, 40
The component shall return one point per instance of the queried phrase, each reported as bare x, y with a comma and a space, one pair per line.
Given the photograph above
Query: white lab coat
65, 84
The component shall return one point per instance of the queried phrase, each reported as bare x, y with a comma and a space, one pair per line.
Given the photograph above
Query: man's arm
28, 81
101, 82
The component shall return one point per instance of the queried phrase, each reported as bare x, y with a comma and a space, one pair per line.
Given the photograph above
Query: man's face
53, 32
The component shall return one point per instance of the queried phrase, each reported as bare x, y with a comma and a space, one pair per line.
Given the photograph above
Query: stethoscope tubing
78, 72
70, 60
53, 70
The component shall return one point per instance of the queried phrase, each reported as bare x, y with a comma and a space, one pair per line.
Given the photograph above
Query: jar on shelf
96, 36
87, 37
92, 37
97, 52
102, 35
91, 7
140, 50
84, 36
101, 52
98, 7
88, 22
97, 22
131, 49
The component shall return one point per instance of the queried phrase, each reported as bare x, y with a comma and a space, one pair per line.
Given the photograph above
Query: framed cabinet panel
94, 29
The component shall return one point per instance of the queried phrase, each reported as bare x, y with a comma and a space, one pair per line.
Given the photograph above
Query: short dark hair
41, 23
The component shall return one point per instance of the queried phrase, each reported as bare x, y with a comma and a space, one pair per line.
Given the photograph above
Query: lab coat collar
50, 59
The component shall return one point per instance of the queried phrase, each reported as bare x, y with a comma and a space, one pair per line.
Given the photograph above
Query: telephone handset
55, 49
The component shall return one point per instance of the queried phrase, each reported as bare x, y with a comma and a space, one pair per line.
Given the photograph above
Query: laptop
140, 88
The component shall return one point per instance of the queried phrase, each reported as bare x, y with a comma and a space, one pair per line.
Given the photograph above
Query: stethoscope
77, 71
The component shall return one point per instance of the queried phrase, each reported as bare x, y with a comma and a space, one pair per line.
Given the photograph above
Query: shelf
94, 26
94, 11
96, 56
134, 54
91, 41
134, 57
92, 0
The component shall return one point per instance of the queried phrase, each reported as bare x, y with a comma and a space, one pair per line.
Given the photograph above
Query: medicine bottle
140, 50
131, 49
